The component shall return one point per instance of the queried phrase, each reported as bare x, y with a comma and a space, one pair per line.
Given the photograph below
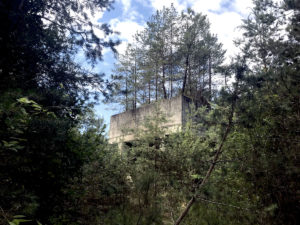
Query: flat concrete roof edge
148, 105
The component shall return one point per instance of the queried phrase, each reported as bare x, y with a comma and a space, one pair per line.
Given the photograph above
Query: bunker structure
176, 111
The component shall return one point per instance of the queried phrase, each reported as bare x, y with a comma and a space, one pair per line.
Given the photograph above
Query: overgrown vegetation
235, 162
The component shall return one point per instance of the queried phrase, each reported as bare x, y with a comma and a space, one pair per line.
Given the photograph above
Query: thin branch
220, 203
215, 159
71, 29
3, 214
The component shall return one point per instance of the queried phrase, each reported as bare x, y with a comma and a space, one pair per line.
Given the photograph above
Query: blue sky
130, 16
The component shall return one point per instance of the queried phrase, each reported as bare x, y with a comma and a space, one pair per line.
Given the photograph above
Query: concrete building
175, 109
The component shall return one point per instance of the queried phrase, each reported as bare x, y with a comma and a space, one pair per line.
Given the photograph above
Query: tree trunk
185, 74
126, 94
163, 82
135, 84
209, 78
156, 82
190, 80
149, 92
171, 63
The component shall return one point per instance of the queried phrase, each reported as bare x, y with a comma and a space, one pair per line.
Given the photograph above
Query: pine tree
176, 54
268, 112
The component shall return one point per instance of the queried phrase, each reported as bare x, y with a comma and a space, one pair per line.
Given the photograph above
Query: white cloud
126, 5
135, 16
127, 29
105, 51
144, 3
224, 21
159, 4
204, 6
243, 7
225, 26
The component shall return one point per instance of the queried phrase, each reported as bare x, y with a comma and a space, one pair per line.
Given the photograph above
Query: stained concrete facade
175, 110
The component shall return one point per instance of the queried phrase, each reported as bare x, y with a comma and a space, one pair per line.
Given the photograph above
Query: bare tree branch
220, 203
214, 162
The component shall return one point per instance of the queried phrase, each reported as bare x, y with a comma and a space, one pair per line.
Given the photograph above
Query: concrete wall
174, 109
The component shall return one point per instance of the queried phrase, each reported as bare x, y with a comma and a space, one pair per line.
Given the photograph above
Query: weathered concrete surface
175, 110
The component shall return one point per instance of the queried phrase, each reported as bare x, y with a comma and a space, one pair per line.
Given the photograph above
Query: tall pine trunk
209, 78
149, 92
126, 94
156, 82
171, 63
135, 84
185, 74
163, 82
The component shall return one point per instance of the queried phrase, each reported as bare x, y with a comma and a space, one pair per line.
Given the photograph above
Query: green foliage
57, 166
43, 95
175, 54
268, 120
165, 171
18, 219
